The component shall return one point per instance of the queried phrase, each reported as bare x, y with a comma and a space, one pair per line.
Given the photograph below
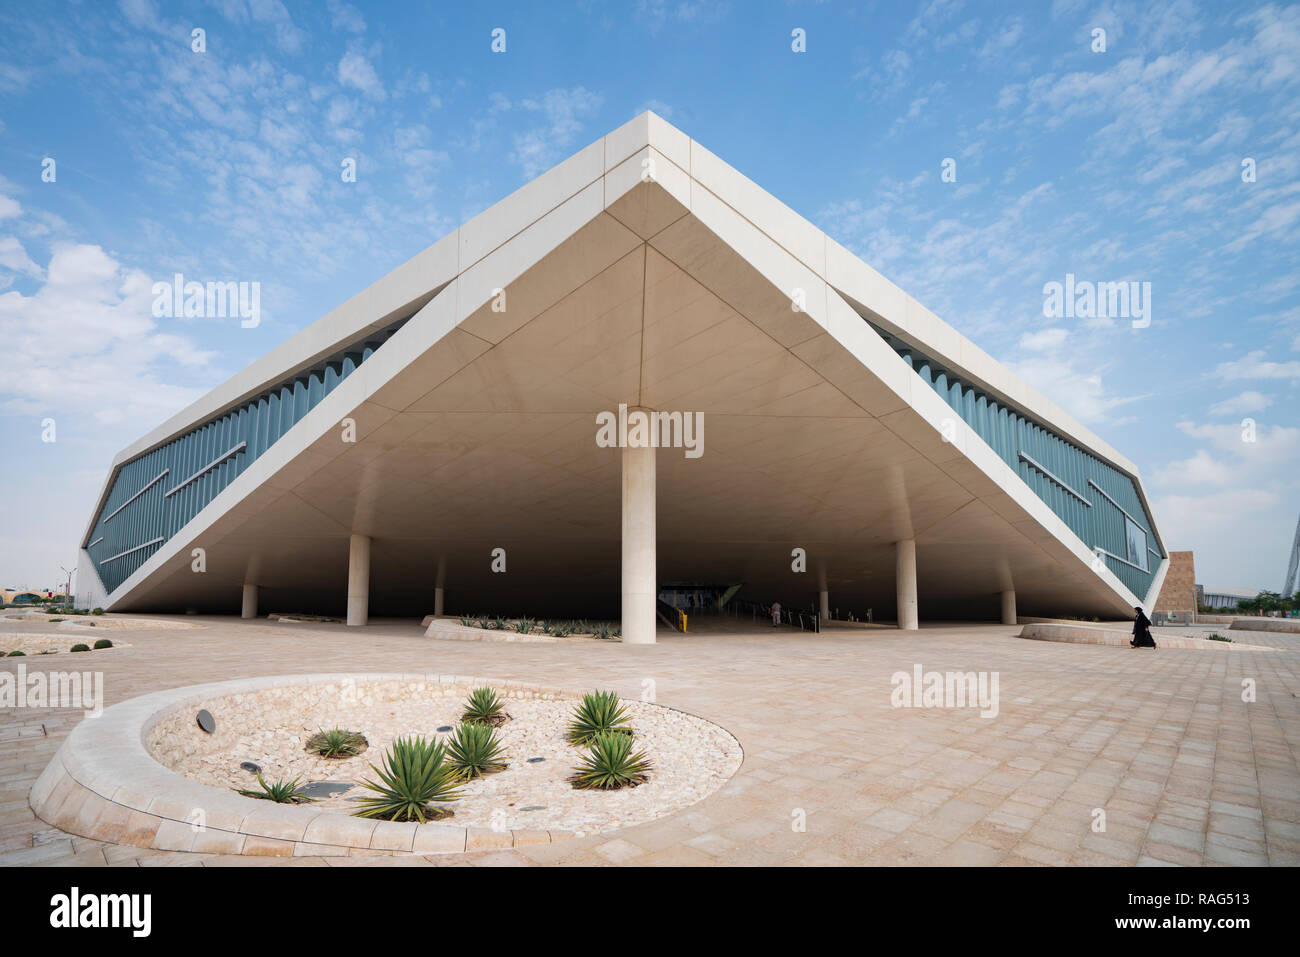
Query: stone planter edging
103, 784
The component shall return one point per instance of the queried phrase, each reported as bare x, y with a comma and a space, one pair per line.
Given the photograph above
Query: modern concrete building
442, 440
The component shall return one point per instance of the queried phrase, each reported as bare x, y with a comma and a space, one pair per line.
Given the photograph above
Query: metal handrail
673, 616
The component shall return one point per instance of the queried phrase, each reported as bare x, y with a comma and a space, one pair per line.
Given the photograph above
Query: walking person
1141, 630
776, 614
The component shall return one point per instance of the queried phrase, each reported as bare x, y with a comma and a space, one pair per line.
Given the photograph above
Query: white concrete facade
641, 271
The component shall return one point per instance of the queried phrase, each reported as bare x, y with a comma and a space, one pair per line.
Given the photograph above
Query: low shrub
281, 792
337, 743
1218, 637
524, 626
16, 654
475, 750
596, 713
55, 621
80, 647
483, 707
610, 764
97, 611
103, 643
414, 776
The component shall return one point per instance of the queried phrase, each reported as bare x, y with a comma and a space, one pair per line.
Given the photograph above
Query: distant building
1226, 597
23, 596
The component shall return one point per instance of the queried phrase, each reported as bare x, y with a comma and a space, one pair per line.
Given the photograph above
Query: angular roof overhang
644, 271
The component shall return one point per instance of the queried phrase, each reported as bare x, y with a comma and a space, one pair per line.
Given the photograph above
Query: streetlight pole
68, 593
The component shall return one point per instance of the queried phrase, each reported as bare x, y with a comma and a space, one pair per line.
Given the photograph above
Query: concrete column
359, 580
250, 601
905, 583
640, 582
824, 604
1009, 607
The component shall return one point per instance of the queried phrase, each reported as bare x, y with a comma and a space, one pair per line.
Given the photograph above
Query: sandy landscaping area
53, 643
106, 622
692, 757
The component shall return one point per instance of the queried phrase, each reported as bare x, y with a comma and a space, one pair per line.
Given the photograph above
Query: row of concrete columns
358, 585
640, 586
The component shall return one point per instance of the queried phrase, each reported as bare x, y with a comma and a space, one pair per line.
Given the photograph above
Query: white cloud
344, 16
9, 208
1201, 469
1242, 404
565, 112
1043, 340
14, 258
99, 314
1256, 365
355, 71
654, 14
1080, 391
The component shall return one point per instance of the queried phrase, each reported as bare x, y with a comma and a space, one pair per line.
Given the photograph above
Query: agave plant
337, 743
484, 707
599, 711
611, 763
601, 630
281, 792
475, 750
415, 774
524, 625
499, 623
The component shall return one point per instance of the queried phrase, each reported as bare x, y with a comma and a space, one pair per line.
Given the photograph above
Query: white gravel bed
691, 757
52, 643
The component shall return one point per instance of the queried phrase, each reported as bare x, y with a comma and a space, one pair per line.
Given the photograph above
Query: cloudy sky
1133, 163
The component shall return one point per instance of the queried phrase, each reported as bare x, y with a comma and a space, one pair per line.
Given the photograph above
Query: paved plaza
1186, 772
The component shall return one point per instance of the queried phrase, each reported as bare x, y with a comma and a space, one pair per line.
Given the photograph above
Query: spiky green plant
611, 763
499, 623
281, 792
337, 743
467, 621
475, 750
601, 630
415, 774
598, 711
483, 621
483, 707
524, 625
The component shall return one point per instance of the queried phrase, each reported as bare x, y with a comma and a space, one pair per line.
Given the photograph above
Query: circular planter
109, 781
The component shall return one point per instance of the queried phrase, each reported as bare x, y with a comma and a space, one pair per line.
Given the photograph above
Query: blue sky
1122, 165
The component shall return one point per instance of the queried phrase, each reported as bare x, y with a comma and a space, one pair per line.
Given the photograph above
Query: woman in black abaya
1141, 631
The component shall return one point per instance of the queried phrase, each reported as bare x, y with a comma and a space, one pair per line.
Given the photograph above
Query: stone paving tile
1186, 773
